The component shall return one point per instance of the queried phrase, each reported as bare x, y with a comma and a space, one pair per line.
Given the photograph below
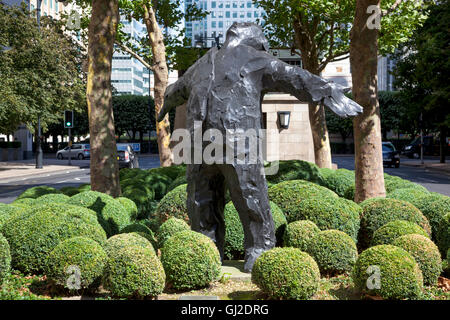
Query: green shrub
350, 192
340, 181
36, 192
23, 203
434, 207
169, 228
123, 240
111, 213
443, 234
51, 198
399, 274
295, 170
143, 231
299, 233
334, 251
379, 211
172, 172
78, 256
130, 206
159, 183
234, 232
395, 183
177, 182
191, 260
173, 205
325, 172
426, 254
288, 195
286, 273
390, 231
5, 258
9, 212
134, 272
410, 195
84, 187
36, 232
69, 191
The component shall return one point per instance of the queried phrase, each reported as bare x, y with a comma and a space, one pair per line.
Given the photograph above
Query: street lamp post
39, 153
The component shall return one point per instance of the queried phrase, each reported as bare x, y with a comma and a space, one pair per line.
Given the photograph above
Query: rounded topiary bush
426, 254
76, 263
379, 211
35, 233
325, 172
84, 187
24, 202
36, 192
130, 206
334, 251
127, 239
299, 233
9, 212
177, 182
388, 271
191, 260
410, 195
141, 194
143, 231
173, 204
172, 172
434, 207
158, 182
234, 232
111, 213
394, 229
134, 271
295, 170
69, 191
169, 228
286, 273
443, 234
340, 180
51, 198
394, 183
5, 258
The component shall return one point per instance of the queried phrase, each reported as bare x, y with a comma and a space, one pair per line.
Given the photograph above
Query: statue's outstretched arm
176, 94
282, 77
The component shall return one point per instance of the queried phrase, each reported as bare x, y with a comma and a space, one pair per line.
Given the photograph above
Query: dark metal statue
224, 90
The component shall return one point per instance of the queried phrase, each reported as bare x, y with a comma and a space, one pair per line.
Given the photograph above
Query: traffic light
68, 119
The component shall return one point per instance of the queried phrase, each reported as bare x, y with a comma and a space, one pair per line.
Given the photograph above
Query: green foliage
379, 211
426, 254
123, 240
234, 232
84, 187
111, 213
434, 207
51, 198
191, 260
394, 229
23, 203
336, 124
36, 192
173, 205
399, 274
334, 251
286, 273
394, 183
169, 228
410, 195
40, 76
133, 113
5, 258
172, 172
295, 170
134, 271
299, 233
9, 212
130, 206
35, 233
177, 182
78, 256
143, 231
340, 181
16, 286
443, 234
69, 191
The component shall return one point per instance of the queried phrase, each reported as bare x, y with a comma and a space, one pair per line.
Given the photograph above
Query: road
9, 190
432, 180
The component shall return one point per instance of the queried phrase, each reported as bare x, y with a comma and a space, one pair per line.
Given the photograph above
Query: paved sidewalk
431, 165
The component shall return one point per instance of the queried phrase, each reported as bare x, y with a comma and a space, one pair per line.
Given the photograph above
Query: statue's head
246, 33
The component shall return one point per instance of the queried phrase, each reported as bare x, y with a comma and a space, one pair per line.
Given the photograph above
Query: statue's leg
248, 189
206, 202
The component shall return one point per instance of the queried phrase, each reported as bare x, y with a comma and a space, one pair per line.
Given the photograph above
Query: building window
255, 14
213, 14
235, 5
249, 4
227, 5
213, 4
220, 4
213, 24
227, 14
220, 14
234, 14
242, 5
120, 81
220, 24
242, 14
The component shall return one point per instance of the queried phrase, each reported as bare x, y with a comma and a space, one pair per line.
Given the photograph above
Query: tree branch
333, 58
392, 9
134, 55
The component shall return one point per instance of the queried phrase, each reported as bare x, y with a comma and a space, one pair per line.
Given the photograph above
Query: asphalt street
10, 189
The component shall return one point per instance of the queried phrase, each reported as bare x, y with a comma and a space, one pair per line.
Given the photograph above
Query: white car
78, 151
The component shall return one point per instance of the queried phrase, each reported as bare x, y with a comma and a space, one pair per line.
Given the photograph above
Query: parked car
412, 150
126, 156
78, 151
391, 157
